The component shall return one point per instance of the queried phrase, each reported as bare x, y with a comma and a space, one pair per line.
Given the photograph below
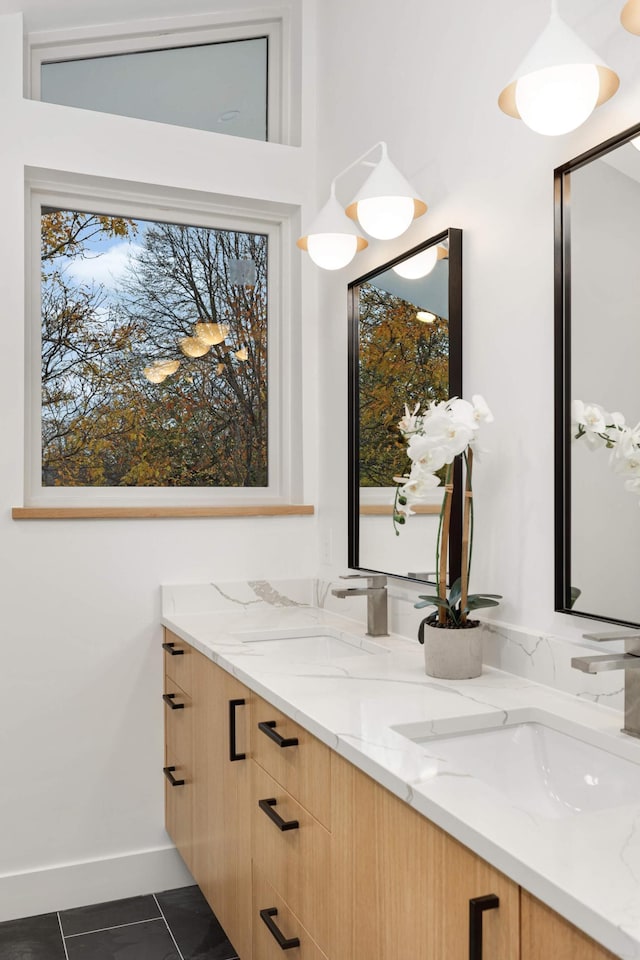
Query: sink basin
536, 761
308, 645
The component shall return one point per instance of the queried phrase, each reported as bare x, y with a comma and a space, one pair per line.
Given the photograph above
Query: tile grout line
168, 928
64, 945
117, 926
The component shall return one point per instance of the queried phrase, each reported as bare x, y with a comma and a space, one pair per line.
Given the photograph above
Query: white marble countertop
585, 866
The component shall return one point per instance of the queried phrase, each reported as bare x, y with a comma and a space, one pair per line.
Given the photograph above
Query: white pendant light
386, 204
559, 83
332, 241
630, 16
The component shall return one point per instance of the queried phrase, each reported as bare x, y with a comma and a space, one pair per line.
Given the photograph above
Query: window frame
84, 43
172, 206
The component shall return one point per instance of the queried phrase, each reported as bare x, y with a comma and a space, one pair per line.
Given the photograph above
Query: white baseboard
69, 885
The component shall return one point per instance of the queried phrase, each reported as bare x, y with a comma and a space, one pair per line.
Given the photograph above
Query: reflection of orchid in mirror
609, 430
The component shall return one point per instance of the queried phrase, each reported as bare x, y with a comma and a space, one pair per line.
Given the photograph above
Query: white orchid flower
427, 451
417, 488
463, 412
410, 422
481, 410
590, 416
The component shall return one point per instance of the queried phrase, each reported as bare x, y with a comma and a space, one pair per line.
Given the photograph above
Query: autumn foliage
402, 361
103, 422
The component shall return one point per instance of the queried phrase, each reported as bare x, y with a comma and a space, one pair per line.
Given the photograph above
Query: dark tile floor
174, 925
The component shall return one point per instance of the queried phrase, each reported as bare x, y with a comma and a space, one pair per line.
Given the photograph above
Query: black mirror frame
454, 237
562, 373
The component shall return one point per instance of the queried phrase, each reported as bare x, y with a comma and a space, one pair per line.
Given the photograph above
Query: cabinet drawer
178, 769
283, 924
303, 769
292, 851
178, 660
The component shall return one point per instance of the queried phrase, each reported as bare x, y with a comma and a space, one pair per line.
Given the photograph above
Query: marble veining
585, 866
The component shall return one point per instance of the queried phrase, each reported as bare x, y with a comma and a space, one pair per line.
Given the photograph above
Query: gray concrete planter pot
453, 654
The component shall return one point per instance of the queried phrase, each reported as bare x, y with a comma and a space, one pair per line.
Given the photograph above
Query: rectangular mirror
405, 347
597, 297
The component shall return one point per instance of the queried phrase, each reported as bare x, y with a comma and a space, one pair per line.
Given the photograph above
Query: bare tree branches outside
121, 296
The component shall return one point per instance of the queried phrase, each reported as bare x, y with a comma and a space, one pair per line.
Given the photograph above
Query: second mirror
405, 347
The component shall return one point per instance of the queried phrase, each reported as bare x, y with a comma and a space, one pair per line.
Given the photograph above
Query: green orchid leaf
479, 602
455, 592
432, 602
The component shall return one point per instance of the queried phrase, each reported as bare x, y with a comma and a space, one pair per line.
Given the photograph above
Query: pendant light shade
332, 241
386, 204
559, 83
630, 16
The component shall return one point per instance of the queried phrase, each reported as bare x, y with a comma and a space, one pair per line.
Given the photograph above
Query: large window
154, 353
157, 346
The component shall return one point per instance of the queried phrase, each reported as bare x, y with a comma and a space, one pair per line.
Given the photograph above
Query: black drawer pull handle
268, 728
477, 906
171, 648
275, 932
168, 772
168, 699
233, 753
267, 807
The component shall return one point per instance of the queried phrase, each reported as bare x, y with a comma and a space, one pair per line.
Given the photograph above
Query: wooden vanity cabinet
409, 883
362, 875
292, 845
178, 768
208, 817
545, 934
221, 816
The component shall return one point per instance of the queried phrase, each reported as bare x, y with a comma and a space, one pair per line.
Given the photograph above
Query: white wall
425, 77
81, 677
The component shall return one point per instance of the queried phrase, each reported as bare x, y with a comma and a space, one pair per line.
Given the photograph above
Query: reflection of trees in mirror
119, 294
403, 360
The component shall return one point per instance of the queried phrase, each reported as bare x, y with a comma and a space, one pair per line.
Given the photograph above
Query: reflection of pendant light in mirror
421, 264
160, 370
242, 354
211, 333
332, 241
559, 83
425, 316
386, 204
630, 16
194, 347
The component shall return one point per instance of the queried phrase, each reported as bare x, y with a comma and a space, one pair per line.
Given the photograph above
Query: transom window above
154, 353
221, 87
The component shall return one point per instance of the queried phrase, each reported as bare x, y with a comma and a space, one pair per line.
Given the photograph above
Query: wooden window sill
386, 509
154, 513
